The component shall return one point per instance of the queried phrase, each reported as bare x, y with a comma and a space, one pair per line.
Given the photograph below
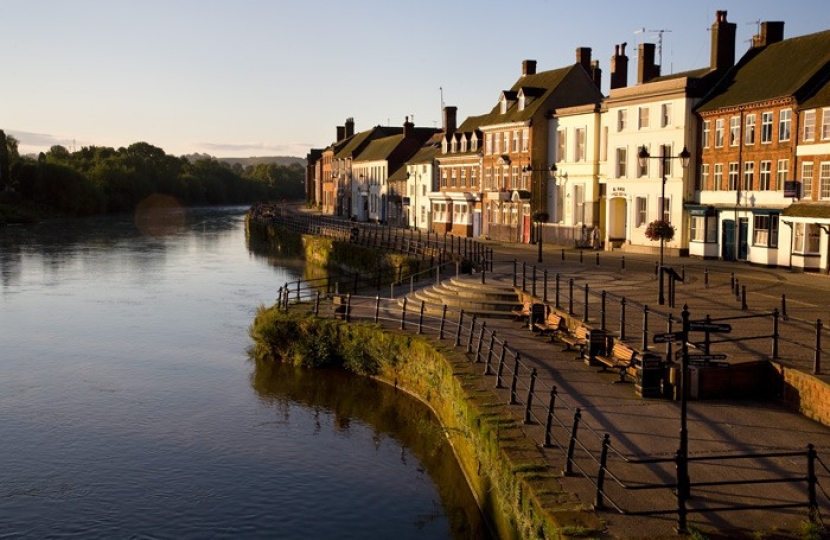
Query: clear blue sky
275, 77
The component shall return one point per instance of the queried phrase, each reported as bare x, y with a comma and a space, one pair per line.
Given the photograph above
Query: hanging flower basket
540, 216
660, 230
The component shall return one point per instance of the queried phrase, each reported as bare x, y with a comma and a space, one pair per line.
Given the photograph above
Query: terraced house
520, 140
750, 171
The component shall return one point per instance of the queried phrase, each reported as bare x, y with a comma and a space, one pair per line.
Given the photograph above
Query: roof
783, 69
380, 148
821, 98
357, 141
807, 210
541, 86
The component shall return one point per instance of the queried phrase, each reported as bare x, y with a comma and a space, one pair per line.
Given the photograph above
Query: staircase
468, 293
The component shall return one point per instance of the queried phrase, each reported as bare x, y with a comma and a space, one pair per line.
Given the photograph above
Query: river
130, 409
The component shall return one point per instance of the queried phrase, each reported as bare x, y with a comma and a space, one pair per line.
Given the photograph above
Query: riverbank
517, 491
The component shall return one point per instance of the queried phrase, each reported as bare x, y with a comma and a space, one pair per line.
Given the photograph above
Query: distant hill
253, 161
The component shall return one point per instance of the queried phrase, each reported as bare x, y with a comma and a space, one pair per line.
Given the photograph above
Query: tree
5, 166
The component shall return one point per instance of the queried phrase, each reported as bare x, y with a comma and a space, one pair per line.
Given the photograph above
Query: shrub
660, 229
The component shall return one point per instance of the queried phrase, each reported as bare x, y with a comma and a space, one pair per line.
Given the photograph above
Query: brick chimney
349, 127
583, 58
528, 68
408, 128
646, 68
619, 67
450, 119
771, 32
341, 133
596, 74
723, 42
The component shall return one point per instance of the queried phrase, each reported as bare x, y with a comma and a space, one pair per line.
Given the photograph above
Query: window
444, 178
785, 122
452, 177
473, 177
732, 178
704, 177
782, 173
642, 168
766, 128
622, 155
488, 143
454, 146
622, 119
561, 145
807, 180
704, 229
707, 128
666, 149
825, 124
642, 118
642, 212
765, 176
765, 228
749, 130
473, 144
516, 141
463, 177
824, 180
719, 132
665, 115
497, 143
514, 177
525, 140
488, 178
749, 176
579, 148
809, 125
666, 205
735, 131
809, 232
718, 177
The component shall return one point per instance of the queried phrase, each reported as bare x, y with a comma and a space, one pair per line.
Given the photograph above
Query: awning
808, 210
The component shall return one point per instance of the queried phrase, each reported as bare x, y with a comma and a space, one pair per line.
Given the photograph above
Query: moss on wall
516, 489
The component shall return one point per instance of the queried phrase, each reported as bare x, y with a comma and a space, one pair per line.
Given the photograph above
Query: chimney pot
723, 42
619, 67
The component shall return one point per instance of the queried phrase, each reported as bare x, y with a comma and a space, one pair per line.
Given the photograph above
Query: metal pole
529, 401
514, 399
549, 421
660, 298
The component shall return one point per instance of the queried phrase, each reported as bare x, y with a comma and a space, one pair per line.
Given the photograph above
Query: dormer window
503, 104
463, 143
473, 143
521, 102
454, 146
444, 146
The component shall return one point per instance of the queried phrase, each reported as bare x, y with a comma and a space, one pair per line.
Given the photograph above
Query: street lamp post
643, 157
552, 171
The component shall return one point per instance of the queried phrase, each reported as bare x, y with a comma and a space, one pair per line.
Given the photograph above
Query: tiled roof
820, 98
783, 69
380, 148
544, 84
355, 142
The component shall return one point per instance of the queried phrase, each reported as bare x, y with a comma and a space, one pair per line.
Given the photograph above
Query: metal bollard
514, 398
500, 370
529, 401
460, 325
443, 322
472, 331
480, 340
421, 318
569, 467
603, 461
817, 360
549, 421
585, 311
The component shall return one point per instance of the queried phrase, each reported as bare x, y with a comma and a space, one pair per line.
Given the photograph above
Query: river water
129, 407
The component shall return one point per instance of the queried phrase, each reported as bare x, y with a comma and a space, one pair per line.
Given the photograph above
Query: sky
244, 78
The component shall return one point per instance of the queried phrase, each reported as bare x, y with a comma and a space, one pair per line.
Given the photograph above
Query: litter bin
537, 315
598, 344
648, 379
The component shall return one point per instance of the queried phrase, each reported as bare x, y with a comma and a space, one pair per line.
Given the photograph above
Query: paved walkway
640, 427
650, 427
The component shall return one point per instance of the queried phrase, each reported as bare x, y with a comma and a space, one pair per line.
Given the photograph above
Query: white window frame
717, 177
579, 144
766, 127
765, 175
782, 171
748, 180
642, 117
807, 180
733, 176
706, 134
640, 212
749, 130
824, 180
735, 131
622, 119
665, 115
621, 157
719, 132
809, 133
785, 124
825, 124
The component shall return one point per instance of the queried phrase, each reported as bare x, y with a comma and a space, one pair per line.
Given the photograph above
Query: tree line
99, 179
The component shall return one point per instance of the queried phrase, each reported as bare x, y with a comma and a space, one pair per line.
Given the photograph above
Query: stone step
469, 294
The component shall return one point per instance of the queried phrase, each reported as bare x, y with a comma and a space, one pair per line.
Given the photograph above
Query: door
743, 245
727, 240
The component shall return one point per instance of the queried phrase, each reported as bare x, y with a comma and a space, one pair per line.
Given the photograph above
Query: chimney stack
771, 32
583, 58
528, 68
341, 133
349, 127
619, 67
646, 68
723, 42
450, 115
596, 74
408, 128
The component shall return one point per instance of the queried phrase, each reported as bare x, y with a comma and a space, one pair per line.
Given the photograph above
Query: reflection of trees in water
390, 412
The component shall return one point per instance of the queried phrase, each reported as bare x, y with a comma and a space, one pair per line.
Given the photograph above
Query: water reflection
389, 412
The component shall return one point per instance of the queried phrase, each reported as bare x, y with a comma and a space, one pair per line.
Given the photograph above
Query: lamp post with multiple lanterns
537, 215
643, 157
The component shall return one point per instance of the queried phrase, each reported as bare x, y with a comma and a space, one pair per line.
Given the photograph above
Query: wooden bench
578, 338
553, 324
621, 358
523, 311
